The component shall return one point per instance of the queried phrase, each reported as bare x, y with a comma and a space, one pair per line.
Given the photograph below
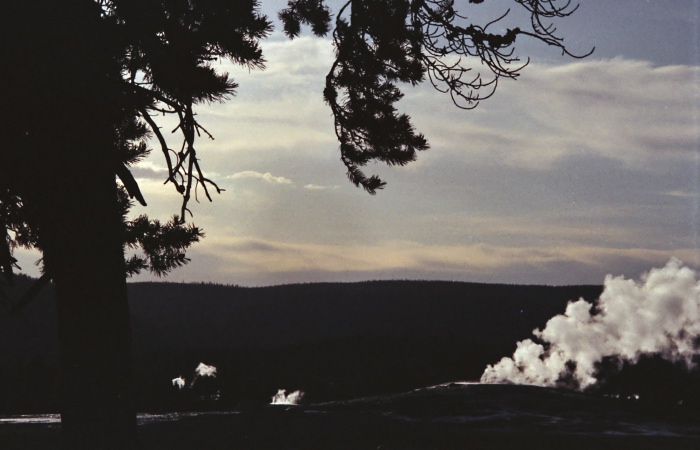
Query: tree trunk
84, 255
62, 88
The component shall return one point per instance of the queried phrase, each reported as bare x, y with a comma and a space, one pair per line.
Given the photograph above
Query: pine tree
82, 81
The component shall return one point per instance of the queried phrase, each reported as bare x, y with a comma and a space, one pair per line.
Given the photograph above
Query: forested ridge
332, 340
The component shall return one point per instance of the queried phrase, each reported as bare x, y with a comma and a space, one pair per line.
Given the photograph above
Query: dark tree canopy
156, 60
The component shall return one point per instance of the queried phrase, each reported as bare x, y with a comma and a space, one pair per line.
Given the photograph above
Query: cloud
280, 109
267, 176
150, 170
252, 261
316, 187
627, 110
575, 166
682, 194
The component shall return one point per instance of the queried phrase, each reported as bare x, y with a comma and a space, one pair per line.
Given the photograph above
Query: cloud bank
576, 170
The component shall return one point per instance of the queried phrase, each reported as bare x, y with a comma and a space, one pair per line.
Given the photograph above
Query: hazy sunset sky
578, 169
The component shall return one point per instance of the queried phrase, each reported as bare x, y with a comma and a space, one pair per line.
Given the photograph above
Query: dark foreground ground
284, 430
449, 416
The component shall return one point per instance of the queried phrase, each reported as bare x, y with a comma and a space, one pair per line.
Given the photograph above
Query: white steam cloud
204, 370
282, 398
179, 382
658, 315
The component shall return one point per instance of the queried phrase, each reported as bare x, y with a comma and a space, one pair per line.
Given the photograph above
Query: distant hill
332, 340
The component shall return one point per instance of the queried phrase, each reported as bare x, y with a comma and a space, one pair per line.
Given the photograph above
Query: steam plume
179, 382
282, 398
658, 315
204, 370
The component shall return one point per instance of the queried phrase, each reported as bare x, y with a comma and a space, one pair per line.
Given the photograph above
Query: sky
578, 169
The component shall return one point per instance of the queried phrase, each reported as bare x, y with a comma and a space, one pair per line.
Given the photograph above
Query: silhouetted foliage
161, 247
309, 12
166, 55
380, 43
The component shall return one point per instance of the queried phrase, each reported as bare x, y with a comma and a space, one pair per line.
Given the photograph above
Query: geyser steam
204, 370
179, 382
282, 398
658, 315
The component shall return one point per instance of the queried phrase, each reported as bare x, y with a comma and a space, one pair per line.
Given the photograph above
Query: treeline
331, 340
